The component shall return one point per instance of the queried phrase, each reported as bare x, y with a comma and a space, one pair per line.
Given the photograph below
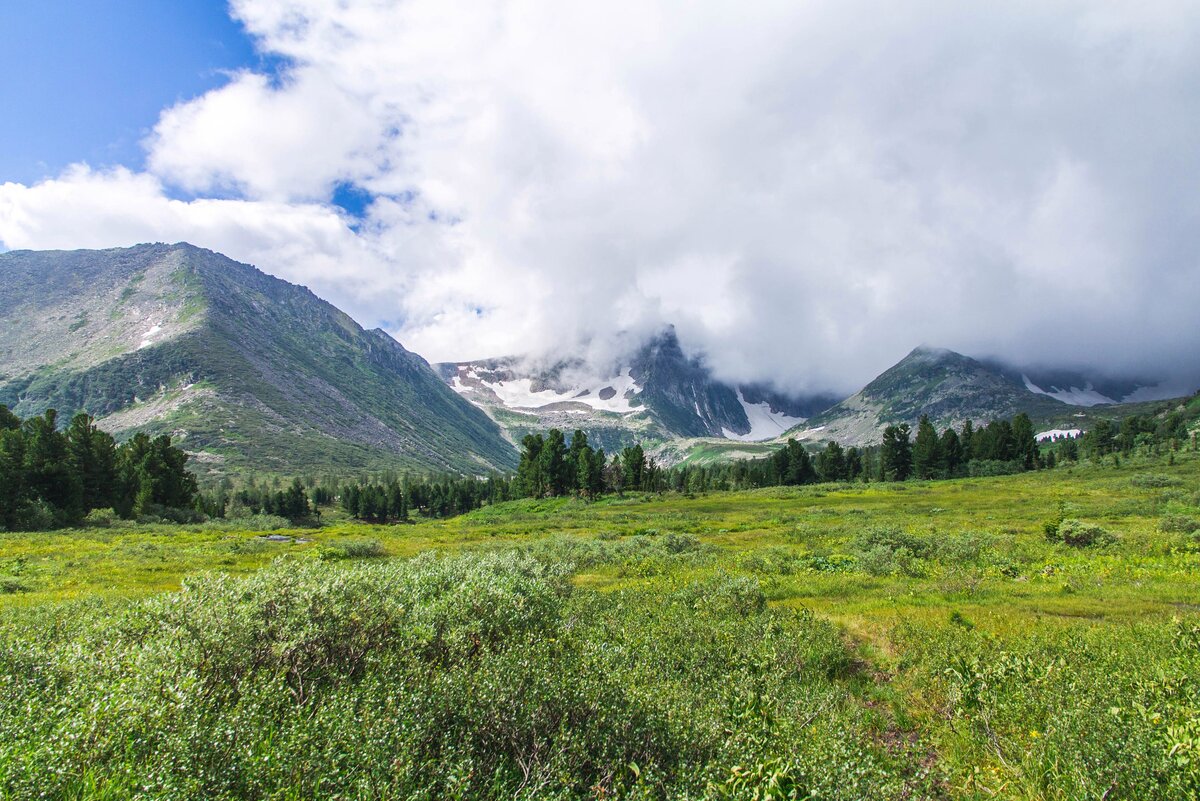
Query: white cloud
807, 190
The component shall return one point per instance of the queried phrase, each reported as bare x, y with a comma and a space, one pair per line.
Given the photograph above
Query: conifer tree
831, 463
967, 441
895, 454
633, 461
530, 481
554, 466
93, 458
950, 452
925, 455
1025, 448
48, 474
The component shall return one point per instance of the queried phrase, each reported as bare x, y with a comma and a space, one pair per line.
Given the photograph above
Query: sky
806, 190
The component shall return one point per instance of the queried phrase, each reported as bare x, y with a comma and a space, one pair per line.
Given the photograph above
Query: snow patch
1057, 433
148, 337
1076, 396
764, 423
519, 394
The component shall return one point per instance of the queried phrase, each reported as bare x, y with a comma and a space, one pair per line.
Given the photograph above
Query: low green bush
480, 676
885, 551
1079, 534
353, 549
1178, 524
1154, 481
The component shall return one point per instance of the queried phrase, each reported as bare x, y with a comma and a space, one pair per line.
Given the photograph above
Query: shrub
1178, 524
726, 595
354, 549
479, 676
1154, 481
101, 518
885, 551
10, 585
1079, 534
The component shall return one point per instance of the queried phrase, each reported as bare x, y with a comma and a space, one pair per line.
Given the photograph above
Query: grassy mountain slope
248, 370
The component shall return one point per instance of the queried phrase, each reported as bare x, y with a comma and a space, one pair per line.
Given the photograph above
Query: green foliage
479, 677
1079, 534
54, 478
919, 640
1181, 524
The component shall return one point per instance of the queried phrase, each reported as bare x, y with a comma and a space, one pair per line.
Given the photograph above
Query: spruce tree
831, 463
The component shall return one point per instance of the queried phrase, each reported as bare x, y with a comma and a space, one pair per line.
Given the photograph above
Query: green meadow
1034, 636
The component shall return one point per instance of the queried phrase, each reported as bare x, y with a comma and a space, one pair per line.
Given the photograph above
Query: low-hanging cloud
806, 190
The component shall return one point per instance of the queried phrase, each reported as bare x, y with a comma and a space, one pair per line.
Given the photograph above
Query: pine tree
554, 465
575, 459
967, 441
831, 463
1025, 448
531, 483
950, 451
799, 469
93, 459
48, 474
925, 455
12, 477
633, 460
854, 463
895, 454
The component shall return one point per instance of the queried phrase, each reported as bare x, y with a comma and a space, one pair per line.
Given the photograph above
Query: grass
983, 659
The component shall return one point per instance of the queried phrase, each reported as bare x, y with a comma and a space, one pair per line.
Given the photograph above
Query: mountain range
656, 393
243, 369
248, 371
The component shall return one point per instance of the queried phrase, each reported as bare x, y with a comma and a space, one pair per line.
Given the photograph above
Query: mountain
951, 388
1091, 387
243, 369
656, 393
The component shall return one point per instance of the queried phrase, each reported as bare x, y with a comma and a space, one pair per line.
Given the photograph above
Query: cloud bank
806, 190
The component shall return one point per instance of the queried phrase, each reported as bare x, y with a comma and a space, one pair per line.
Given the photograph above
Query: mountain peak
241, 367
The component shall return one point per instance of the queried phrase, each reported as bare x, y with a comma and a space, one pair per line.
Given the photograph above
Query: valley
926, 637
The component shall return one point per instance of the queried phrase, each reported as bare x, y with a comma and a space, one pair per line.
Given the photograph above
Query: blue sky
85, 80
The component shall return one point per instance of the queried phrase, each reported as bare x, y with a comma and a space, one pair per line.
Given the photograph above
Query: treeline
51, 478
380, 499
1149, 432
551, 467
437, 497
1002, 446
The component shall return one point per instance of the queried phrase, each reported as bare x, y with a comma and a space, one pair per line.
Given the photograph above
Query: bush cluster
480, 676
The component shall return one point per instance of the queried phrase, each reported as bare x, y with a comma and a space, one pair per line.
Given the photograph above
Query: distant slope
656, 394
948, 387
245, 369
951, 388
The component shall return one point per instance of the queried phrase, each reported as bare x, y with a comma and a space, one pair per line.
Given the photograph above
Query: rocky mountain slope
952, 388
656, 393
245, 369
